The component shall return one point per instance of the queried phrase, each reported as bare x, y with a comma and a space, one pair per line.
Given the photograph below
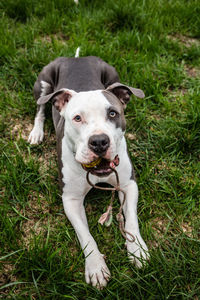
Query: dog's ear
124, 92
62, 98
59, 98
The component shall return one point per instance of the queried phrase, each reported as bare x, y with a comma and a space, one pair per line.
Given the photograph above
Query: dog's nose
99, 143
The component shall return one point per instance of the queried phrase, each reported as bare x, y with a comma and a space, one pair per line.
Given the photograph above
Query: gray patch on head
115, 102
119, 120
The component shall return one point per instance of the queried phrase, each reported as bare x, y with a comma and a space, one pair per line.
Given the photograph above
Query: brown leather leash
107, 216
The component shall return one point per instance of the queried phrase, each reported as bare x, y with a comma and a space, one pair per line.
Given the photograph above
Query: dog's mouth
101, 166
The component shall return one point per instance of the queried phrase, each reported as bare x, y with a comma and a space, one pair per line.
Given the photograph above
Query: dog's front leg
96, 270
137, 250
37, 133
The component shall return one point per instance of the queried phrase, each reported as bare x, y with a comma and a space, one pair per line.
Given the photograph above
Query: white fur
37, 133
77, 52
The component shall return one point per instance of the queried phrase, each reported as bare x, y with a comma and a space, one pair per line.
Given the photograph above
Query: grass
154, 46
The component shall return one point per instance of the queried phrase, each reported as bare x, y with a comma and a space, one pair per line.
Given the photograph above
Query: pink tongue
115, 162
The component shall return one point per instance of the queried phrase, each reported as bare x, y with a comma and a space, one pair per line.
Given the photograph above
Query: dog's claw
96, 272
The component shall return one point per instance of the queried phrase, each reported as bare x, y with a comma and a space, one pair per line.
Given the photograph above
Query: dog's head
94, 123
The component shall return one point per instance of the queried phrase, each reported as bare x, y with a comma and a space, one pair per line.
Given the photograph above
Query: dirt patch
184, 40
38, 214
33, 228
131, 136
59, 37
47, 160
155, 117
187, 228
191, 71
7, 275
21, 128
161, 226
47, 157
37, 204
174, 95
160, 167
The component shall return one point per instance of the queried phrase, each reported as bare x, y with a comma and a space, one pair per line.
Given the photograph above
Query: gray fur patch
116, 105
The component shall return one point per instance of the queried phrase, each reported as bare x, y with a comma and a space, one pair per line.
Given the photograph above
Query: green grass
155, 46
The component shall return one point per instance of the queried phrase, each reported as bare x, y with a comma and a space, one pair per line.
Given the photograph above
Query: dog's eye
77, 118
112, 114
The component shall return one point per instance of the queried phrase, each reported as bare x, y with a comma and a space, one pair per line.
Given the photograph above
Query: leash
107, 216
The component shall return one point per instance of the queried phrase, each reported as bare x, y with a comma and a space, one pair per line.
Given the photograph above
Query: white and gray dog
88, 115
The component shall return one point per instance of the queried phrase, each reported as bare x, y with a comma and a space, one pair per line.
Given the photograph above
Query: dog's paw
36, 136
96, 271
138, 252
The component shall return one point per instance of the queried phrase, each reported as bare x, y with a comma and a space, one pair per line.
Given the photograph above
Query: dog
88, 103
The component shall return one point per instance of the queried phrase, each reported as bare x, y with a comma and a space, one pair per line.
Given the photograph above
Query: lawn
155, 46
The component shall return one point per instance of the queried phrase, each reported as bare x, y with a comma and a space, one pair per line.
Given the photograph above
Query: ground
154, 47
